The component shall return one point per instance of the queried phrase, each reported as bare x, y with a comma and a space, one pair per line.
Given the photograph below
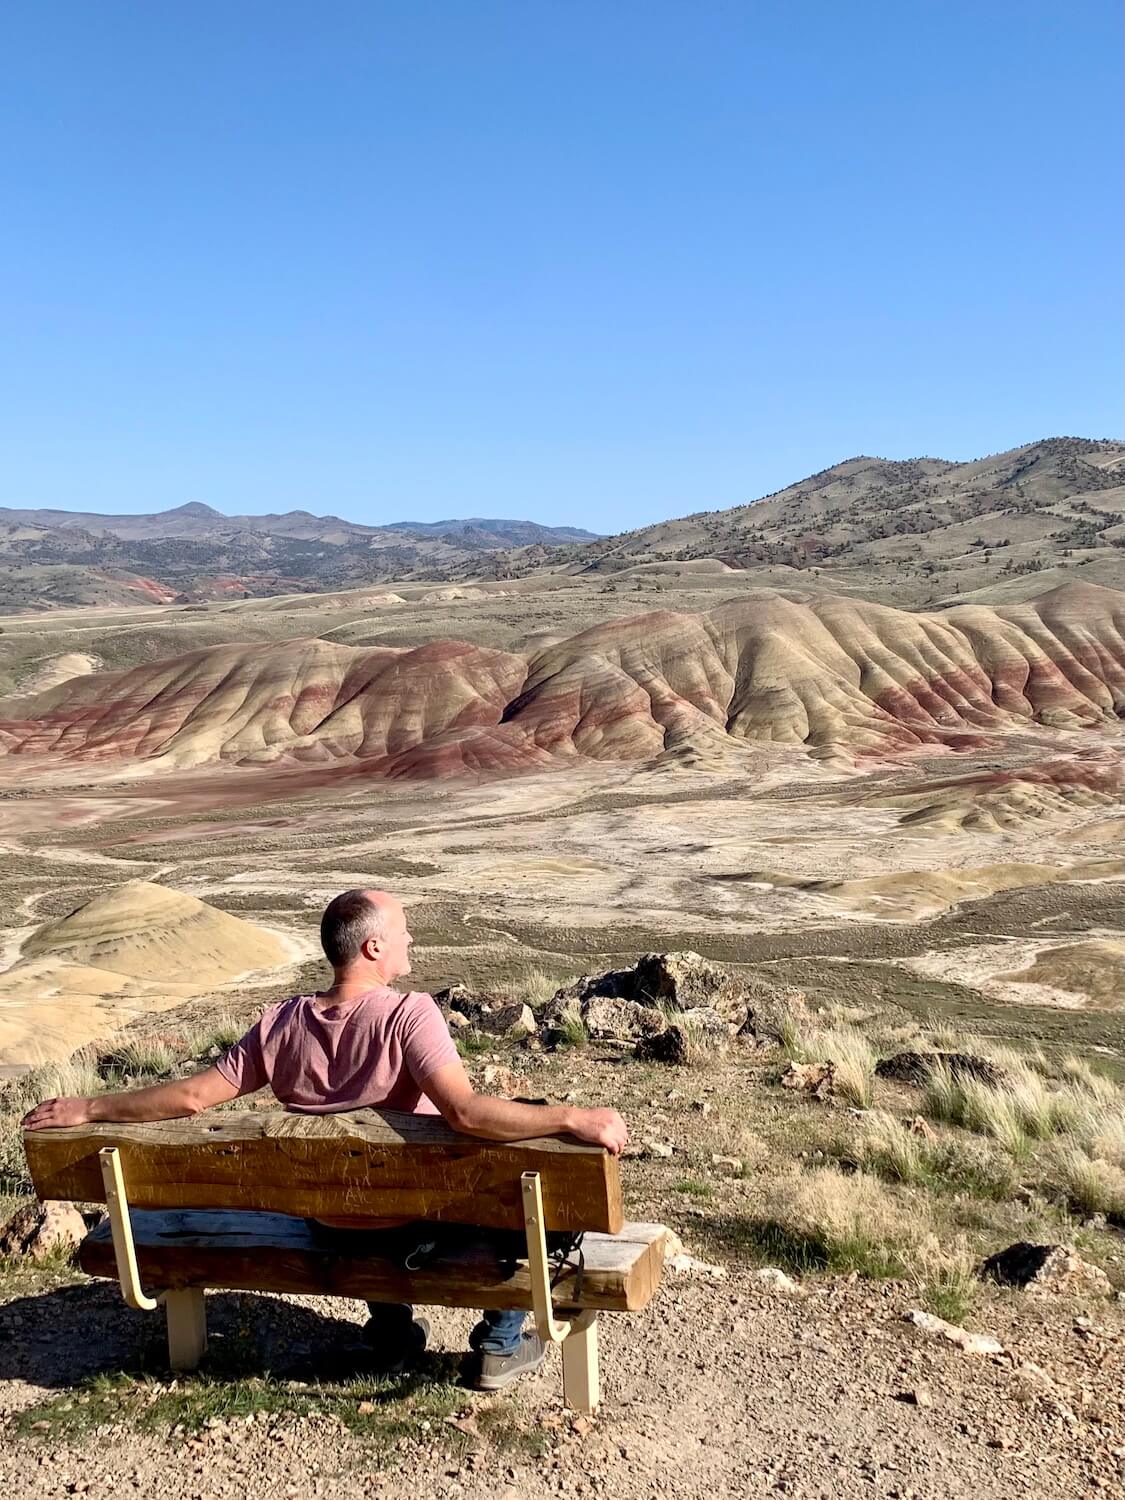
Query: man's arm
505, 1120
164, 1101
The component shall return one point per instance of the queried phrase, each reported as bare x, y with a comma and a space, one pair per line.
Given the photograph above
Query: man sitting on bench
360, 1044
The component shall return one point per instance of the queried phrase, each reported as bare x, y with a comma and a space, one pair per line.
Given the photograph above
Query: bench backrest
357, 1164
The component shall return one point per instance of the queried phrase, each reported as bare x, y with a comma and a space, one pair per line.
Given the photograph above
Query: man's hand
601, 1127
53, 1113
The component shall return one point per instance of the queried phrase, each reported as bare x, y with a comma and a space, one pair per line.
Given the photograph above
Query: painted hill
837, 676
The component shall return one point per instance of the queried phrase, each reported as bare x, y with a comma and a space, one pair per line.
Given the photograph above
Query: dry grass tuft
78, 1076
849, 1051
825, 1219
1091, 1186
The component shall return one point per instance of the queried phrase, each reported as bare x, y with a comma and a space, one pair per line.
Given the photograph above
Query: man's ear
371, 948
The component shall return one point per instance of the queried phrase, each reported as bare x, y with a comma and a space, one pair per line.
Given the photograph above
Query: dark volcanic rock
668, 1046
1046, 1269
916, 1067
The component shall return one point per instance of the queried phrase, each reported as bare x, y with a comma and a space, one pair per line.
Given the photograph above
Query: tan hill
837, 676
131, 950
910, 533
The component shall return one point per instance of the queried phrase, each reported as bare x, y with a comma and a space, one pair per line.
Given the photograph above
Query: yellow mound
908, 895
139, 948
1094, 970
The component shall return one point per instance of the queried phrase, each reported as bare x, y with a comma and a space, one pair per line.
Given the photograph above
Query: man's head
364, 935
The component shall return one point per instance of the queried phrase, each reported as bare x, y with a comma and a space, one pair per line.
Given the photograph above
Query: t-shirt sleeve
426, 1042
243, 1065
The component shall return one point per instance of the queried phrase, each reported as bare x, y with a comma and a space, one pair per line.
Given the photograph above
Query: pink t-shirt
370, 1053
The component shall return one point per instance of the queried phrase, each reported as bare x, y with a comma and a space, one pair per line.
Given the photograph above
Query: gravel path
722, 1388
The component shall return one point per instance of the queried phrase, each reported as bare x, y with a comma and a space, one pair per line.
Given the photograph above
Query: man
360, 1044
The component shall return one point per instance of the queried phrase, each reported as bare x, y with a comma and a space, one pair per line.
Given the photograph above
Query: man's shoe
498, 1371
403, 1354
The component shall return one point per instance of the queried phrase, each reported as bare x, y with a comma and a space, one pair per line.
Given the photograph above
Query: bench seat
245, 1251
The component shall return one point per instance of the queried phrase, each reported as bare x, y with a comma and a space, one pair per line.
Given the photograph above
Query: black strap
564, 1248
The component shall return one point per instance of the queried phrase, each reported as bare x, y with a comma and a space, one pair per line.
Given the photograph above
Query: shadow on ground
71, 1334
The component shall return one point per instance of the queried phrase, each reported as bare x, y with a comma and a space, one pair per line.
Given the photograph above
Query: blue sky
589, 263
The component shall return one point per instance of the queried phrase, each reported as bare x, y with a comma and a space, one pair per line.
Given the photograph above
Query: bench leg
581, 1391
187, 1327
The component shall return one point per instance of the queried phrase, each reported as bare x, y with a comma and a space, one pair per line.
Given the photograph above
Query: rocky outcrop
487, 1011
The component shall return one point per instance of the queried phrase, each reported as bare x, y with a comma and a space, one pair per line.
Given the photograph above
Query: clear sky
595, 262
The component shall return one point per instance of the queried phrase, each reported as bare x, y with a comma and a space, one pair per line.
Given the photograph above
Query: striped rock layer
833, 674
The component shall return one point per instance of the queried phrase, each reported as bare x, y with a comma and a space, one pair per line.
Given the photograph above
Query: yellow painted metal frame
578, 1335
121, 1230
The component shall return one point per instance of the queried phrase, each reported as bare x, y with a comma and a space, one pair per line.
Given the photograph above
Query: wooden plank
359, 1163
272, 1252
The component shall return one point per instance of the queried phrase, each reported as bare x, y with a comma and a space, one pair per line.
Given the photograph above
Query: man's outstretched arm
163, 1101
506, 1120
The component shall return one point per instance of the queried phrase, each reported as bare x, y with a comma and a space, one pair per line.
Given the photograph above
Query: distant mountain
501, 533
910, 533
907, 532
57, 557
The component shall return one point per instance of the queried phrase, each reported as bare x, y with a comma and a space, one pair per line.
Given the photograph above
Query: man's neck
351, 987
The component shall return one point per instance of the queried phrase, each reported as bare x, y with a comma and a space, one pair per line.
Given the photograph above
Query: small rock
687, 1265
971, 1343
731, 1164
701, 1106
917, 1397
777, 1281
39, 1228
659, 1148
1044, 1270
817, 1079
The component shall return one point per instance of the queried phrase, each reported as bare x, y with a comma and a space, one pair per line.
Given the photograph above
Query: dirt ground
723, 1386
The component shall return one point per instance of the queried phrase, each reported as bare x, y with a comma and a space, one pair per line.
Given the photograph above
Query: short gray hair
349, 920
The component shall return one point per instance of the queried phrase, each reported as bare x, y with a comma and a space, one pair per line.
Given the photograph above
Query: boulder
688, 981
39, 1228
916, 1067
1046, 1270
705, 1023
771, 1012
608, 1020
615, 984
671, 1046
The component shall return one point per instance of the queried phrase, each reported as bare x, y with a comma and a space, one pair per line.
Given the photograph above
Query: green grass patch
473, 1043
694, 1188
404, 1407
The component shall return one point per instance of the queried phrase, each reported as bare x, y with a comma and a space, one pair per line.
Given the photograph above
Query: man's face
394, 946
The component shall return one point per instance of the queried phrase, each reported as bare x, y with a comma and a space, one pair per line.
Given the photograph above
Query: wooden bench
221, 1201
